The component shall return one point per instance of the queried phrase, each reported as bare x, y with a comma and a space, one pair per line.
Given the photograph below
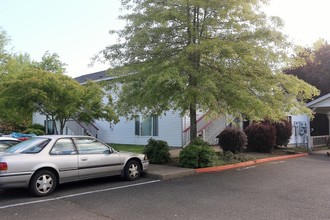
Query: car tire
132, 170
43, 183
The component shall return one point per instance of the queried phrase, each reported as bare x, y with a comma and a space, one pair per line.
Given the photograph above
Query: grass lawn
128, 147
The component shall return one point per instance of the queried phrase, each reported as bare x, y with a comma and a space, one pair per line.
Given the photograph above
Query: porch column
329, 121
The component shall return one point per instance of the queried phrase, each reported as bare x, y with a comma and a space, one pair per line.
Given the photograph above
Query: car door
96, 159
64, 155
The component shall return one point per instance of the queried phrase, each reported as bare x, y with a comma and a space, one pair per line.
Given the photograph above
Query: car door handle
84, 158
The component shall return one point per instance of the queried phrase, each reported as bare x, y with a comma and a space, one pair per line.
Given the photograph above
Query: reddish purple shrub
232, 139
261, 137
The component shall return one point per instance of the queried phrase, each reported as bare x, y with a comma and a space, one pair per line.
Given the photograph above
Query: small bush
189, 156
38, 127
197, 154
199, 142
157, 151
233, 140
283, 132
261, 137
34, 131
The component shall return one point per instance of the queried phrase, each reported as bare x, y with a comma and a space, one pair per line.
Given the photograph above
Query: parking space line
77, 194
246, 168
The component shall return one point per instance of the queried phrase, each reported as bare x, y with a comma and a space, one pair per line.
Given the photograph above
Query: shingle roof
97, 76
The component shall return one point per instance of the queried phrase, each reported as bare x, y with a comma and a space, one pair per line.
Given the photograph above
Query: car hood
130, 154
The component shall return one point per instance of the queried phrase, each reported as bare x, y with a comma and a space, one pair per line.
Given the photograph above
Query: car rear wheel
132, 170
43, 183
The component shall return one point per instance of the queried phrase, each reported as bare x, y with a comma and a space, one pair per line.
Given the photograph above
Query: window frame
139, 125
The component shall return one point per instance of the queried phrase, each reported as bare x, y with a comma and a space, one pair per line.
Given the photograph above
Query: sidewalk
170, 172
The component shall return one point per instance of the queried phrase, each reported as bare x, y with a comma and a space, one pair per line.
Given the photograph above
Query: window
63, 147
90, 146
31, 146
146, 126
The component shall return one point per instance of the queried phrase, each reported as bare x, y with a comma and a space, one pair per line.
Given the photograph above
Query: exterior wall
169, 130
38, 119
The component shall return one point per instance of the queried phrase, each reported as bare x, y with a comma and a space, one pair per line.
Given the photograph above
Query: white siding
169, 130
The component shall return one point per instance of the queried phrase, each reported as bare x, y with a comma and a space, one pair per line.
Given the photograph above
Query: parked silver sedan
6, 142
43, 162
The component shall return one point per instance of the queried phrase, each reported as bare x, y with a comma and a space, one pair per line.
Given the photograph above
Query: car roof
63, 136
8, 139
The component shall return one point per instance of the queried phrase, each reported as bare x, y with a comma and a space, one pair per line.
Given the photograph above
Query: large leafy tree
55, 95
209, 55
312, 64
10, 63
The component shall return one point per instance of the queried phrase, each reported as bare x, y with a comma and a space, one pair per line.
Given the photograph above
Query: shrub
34, 131
157, 151
38, 127
197, 154
283, 132
199, 142
261, 137
189, 156
232, 139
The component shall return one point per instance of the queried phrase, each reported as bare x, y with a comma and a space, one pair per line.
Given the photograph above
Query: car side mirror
107, 151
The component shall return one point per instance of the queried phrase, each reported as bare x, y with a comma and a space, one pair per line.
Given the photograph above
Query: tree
216, 56
55, 95
9, 64
51, 63
3, 54
313, 65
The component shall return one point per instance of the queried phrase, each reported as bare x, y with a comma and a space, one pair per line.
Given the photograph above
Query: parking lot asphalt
163, 172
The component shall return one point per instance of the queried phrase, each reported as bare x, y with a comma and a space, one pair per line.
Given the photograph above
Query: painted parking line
246, 168
276, 162
77, 194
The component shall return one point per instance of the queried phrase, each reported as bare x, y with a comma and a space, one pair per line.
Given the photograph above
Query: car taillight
3, 166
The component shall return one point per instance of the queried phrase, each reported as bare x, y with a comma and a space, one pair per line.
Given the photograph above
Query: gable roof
321, 104
96, 77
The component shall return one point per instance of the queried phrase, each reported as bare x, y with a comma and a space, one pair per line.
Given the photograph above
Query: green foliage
157, 151
51, 63
173, 53
34, 131
231, 158
197, 155
199, 142
261, 137
37, 126
56, 95
232, 139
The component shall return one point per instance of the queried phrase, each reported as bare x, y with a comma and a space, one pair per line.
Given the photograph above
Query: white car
6, 142
42, 162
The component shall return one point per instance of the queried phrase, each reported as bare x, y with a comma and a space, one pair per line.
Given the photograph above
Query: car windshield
31, 146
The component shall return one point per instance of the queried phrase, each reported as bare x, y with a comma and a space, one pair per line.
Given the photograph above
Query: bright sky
78, 29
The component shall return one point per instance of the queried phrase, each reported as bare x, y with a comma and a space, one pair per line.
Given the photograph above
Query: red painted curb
248, 163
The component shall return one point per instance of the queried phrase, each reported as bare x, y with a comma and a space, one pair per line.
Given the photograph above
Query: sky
78, 29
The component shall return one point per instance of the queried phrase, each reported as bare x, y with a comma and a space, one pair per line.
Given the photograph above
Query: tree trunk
193, 121
62, 124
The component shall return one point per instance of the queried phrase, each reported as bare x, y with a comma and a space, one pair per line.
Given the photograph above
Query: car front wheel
132, 170
43, 183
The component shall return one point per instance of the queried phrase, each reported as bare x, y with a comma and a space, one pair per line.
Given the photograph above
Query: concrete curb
167, 172
247, 163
